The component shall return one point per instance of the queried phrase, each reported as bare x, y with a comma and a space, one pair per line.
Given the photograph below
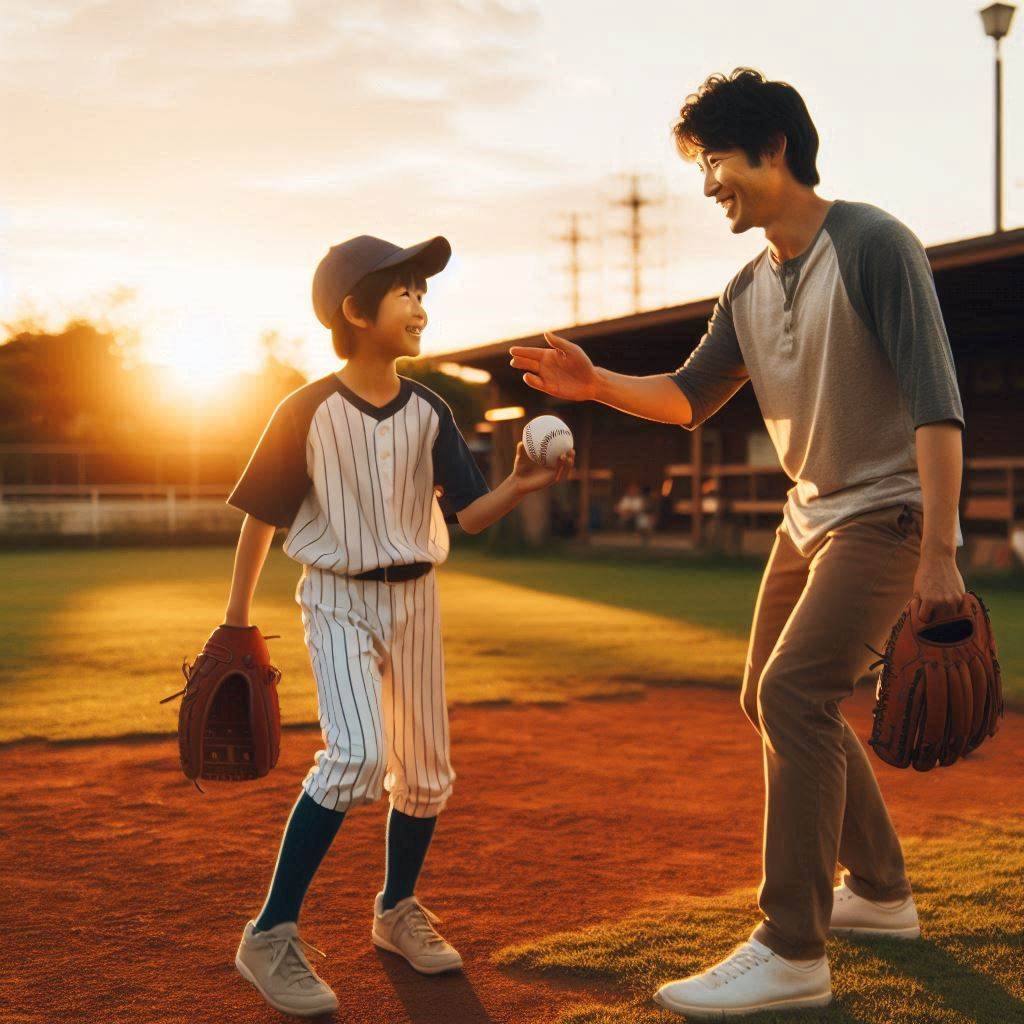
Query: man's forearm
651, 398
253, 544
940, 466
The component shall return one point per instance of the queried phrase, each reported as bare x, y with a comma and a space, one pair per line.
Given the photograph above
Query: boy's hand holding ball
544, 455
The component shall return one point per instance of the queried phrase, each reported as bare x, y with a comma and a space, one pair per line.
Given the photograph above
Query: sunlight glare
198, 355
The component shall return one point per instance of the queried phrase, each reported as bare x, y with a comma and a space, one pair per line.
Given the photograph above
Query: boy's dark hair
746, 111
367, 296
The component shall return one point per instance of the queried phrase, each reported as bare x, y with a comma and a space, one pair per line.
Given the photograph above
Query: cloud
108, 99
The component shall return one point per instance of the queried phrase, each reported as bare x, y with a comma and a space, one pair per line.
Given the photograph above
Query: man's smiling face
739, 188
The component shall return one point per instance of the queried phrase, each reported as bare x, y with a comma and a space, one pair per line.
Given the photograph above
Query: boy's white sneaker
854, 916
751, 978
274, 962
408, 930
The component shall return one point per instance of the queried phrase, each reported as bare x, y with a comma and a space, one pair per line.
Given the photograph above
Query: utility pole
635, 201
574, 238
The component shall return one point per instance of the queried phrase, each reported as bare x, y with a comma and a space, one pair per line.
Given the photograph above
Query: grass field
968, 968
92, 638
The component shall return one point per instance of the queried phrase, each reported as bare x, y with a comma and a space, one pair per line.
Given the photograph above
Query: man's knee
778, 700
748, 698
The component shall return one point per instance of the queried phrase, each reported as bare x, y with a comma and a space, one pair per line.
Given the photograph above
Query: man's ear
776, 152
351, 313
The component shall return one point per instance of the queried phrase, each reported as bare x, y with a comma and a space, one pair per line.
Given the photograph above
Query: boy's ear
351, 313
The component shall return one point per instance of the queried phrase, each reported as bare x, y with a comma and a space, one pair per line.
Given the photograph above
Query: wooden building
721, 485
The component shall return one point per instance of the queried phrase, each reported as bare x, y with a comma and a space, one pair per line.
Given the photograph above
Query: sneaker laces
290, 962
745, 958
420, 922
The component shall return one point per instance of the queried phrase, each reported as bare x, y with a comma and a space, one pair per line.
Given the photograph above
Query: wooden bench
989, 507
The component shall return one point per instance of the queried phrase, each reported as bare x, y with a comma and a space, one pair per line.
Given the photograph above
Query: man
837, 326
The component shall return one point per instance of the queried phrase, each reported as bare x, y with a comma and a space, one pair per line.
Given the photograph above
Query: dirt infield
127, 890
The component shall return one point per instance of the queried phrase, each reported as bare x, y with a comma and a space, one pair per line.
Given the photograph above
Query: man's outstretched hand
563, 370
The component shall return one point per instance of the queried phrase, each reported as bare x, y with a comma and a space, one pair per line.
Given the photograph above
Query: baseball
546, 439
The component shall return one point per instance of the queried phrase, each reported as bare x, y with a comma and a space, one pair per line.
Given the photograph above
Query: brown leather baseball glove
940, 691
229, 723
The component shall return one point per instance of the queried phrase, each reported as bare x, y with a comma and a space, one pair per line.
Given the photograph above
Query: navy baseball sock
308, 836
408, 839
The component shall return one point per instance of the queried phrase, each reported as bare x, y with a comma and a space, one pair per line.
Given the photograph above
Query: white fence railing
69, 510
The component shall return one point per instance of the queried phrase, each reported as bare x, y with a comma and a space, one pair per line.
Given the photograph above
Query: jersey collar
378, 412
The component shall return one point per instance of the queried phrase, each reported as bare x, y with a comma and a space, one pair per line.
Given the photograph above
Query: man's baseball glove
229, 723
940, 691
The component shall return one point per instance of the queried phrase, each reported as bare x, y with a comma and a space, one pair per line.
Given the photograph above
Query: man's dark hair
746, 111
367, 296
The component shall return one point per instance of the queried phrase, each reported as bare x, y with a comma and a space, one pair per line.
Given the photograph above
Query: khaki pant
812, 621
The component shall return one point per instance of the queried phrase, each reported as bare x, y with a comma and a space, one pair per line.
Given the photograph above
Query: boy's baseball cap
346, 264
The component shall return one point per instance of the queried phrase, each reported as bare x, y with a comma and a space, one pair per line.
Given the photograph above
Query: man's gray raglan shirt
847, 353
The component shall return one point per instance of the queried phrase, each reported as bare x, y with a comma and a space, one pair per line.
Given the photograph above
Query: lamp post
997, 18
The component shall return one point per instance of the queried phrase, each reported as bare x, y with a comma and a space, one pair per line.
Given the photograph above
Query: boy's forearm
940, 466
253, 544
651, 398
490, 507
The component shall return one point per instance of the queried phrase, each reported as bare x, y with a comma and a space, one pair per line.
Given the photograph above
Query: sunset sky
203, 156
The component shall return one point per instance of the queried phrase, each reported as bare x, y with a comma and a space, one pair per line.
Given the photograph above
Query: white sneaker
273, 961
408, 930
854, 916
751, 978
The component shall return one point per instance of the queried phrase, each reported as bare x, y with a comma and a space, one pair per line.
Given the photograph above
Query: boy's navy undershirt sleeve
455, 469
276, 481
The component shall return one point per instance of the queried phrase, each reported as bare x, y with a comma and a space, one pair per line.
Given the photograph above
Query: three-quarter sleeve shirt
847, 352
358, 486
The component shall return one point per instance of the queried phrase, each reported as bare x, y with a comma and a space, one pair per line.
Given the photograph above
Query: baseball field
604, 835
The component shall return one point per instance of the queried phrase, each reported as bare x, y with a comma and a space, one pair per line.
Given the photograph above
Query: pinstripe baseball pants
375, 650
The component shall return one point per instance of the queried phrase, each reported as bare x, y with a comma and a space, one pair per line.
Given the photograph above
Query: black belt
397, 573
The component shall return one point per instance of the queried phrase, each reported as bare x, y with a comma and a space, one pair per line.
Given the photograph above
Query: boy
837, 326
349, 464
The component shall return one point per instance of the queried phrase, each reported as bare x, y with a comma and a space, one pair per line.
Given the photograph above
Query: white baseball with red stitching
546, 439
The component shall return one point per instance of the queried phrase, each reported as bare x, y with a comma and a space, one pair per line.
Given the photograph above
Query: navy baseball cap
345, 265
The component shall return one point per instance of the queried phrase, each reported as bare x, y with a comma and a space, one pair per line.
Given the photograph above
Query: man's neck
801, 215
375, 380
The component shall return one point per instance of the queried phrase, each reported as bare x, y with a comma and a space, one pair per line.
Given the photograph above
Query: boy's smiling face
401, 320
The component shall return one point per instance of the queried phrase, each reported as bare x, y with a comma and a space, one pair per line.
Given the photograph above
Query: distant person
645, 517
837, 326
629, 507
349, 465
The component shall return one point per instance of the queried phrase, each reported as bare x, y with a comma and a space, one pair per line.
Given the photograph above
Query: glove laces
883, 659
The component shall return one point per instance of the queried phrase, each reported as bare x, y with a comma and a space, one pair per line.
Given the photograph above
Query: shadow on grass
950, 981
